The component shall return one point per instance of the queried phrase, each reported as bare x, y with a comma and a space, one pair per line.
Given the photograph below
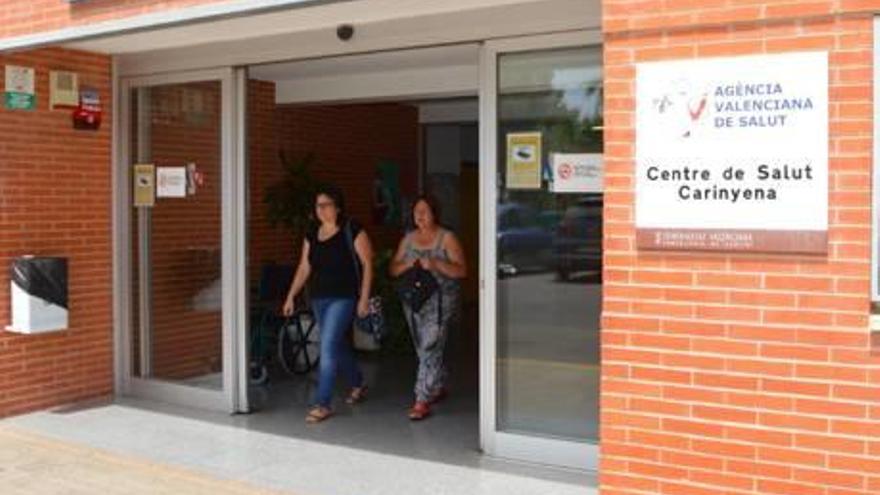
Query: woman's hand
289, 307
363, 307
429, 264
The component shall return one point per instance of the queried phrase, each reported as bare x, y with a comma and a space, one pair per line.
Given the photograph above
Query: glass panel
549, 250
176, 252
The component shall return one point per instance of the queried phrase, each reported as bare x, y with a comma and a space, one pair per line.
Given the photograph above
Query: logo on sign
565, 171
682, 108
524, 153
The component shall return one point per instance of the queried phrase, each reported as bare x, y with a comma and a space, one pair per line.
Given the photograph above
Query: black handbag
415, 286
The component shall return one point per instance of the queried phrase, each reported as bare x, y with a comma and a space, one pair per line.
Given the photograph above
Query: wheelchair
293, 342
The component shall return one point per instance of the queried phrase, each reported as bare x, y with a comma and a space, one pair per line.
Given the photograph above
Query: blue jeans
335, 316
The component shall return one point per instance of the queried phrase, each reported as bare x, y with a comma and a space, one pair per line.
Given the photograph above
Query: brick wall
348, 142
18, 18
55, 200
740, 374
266, 244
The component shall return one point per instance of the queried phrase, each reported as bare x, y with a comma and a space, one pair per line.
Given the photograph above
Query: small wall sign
19, 92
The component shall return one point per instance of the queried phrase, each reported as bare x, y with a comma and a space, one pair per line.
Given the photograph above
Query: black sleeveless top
332, 262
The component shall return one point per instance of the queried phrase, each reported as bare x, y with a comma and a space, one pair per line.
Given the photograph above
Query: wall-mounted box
63, 89
39, 295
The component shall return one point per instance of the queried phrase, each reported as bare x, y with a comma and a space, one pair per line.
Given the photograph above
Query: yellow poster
144, 184
524, 160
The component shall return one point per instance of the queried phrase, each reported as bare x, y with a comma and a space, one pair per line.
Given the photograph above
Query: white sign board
732, 153
577, 172
20, 89
171, 182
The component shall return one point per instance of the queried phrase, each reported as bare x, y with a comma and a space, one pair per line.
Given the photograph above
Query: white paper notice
171, 182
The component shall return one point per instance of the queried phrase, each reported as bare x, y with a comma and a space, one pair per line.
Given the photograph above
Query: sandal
357, 395
318, 414
419, 411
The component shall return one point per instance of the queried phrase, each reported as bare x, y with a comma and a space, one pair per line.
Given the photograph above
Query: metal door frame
233, 397
536, 449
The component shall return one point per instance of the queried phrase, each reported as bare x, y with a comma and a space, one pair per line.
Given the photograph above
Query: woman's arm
398, 265
364, 250
299, 280
455, 267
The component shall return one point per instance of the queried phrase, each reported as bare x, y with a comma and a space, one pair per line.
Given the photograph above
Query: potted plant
289, 201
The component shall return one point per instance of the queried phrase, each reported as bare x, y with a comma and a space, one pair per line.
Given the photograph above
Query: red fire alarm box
87, 116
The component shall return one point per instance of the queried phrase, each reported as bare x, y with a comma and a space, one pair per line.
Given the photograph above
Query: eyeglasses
324, 204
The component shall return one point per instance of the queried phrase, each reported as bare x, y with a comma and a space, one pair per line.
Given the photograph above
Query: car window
509, 220
527, 218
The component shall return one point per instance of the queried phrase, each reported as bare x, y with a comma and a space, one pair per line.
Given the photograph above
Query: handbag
374, 323
415, 286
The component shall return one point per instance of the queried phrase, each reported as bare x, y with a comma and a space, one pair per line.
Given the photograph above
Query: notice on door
171, 182
577, 172
524, 160
144, 185
732, 154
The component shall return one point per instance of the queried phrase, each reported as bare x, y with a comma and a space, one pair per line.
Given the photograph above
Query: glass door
183, 303
542, 249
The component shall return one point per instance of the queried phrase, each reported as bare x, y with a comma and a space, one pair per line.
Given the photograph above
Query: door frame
233, 397
581, 456
535, 449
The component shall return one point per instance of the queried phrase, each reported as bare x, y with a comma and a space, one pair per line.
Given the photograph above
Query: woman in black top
327, 261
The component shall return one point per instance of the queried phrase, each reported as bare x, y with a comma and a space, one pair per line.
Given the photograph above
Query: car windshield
517, 217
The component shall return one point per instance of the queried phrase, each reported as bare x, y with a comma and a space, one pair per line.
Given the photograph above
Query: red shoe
419, 411
438, 396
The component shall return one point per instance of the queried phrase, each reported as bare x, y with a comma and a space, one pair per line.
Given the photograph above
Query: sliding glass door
542, 249
181, 204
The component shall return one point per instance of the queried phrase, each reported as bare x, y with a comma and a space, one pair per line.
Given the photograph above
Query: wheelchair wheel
298, 344
259, 374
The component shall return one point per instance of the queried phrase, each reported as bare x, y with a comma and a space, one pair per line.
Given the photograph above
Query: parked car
524, 244
578, 241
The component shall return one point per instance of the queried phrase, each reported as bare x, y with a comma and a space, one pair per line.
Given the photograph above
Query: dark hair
433, 205
335, 195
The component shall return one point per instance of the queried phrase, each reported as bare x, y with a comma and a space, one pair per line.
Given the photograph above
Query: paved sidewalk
136, 447
32, 464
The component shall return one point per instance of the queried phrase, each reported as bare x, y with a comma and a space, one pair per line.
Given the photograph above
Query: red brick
830, 443
758, 469
724, 414
724, 449
788, 488
791, 456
